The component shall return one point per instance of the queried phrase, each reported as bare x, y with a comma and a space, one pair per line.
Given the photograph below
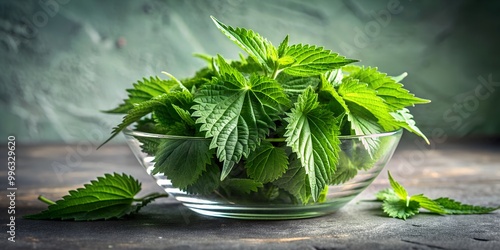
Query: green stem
275, 139
45, 200
275, 72
153, 195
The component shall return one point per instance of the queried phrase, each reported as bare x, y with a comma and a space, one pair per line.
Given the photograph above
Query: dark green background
60, 63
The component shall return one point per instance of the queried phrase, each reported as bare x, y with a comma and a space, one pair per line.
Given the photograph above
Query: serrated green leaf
182, 160
296, 85
283, 46
354, 92
312, 133
406, 119
208, 181
184, 115
241, 186
143, 91
334, 77
251, 42
111, 196
310, 60
345, 170
428, 204
391, 91
386, 194
295, 181
267, 163
237, 113
136, 113
399, 190
451, 206
362, 121
148, 145
398, 208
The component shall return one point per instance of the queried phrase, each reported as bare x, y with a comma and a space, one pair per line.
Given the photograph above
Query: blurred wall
64, 60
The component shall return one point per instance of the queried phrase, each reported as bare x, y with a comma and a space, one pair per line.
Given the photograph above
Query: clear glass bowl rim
131, 132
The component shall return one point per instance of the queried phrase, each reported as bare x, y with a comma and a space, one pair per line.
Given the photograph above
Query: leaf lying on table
398, 204
111, 196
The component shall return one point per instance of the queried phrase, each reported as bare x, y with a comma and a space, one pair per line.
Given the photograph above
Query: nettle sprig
397, 203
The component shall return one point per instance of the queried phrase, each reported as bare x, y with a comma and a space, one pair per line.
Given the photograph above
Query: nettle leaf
111, 196
241, 186
406, 120
334, 77
295, 181
428, 204
259, 48
398, 204
182, 160
143, 91
356, 93
295, 85
309, 60
387, 88
161, 106
451, 206
399, 190
208, 181
267, 163
401, 209
362, 121
237, 112
283, 46
385, 194
345, 170
136, 113
184, 115
312, 133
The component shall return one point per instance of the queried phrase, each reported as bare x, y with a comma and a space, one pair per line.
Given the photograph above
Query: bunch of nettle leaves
272, 120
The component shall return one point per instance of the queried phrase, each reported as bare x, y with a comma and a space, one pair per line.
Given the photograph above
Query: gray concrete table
468, 171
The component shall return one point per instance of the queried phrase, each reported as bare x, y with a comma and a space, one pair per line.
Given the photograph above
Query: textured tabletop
468, 172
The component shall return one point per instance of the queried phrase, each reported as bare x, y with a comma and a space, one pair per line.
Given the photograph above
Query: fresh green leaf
346, 170
401, 209
208, 181
251, 42
312, 133
241, 186
428, 204
111, 196
398, 204
334, 77
386, 194
392, 92
136, 113
283, 46
310, 60
182, 160
237, 113
399, 190
406, 120
267, 163
454, 207
295, 181
143, 91
362, 121
184, 115
296, 85
354, 92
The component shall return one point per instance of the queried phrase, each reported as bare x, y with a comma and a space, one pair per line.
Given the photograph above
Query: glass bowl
356, 169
